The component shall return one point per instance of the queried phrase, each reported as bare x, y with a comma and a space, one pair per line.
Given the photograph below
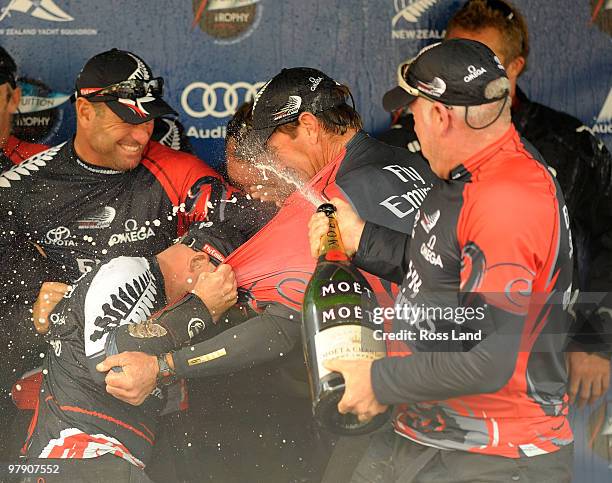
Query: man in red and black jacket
14, 150
109, 191
304, 118
583, 167
486, 277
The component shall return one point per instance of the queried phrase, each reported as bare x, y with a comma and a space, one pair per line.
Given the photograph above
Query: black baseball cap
217, 239
289, 93
114, 67
455, 72
8, 68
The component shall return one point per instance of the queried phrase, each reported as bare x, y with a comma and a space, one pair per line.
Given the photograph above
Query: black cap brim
396, 98
137, 112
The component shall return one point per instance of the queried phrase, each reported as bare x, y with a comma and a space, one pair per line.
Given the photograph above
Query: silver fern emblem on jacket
124, 291
132, 303
29, 166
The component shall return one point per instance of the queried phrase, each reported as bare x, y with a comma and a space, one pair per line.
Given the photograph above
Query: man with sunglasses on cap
110, 190
486, 276
14, 150
583, 166
153, 304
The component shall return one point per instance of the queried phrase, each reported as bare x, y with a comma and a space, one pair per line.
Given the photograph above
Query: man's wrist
166, 374
170, 361
204, 305
375, 380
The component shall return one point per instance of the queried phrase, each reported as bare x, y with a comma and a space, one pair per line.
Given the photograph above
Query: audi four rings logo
218, 99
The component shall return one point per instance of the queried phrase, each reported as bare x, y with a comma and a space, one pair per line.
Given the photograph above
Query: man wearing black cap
581, 163
301, 116
14, 150
486, 278
153, 304
109, 190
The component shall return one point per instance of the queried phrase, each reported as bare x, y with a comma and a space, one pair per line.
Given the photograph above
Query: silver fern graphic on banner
412, 11
42, 9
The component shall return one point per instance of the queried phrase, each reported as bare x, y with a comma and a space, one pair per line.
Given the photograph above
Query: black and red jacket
75, 417
82, 214
16, 150
384, 184
583, 167
493, 238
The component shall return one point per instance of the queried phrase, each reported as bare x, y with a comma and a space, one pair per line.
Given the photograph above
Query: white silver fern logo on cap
141, 72
258, 95
289, 109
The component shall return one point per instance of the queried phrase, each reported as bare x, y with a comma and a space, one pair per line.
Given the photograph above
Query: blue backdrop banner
214, 54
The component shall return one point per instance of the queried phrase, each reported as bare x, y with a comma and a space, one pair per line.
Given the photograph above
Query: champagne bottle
337, 324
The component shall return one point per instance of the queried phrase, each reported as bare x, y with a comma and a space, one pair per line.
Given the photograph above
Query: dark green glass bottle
337, 324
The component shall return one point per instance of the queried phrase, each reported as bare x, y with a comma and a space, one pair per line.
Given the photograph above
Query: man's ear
310, 125
515, 67
440, 117
85, 111
13, 103
200, 262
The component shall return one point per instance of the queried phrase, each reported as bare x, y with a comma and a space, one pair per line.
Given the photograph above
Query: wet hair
501, 15
240, 123
238, 151
337, 120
